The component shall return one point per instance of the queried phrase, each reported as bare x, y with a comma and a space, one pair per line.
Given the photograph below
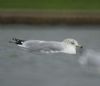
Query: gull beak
80, 46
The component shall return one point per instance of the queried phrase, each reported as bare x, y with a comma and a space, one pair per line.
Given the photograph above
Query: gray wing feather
46, 46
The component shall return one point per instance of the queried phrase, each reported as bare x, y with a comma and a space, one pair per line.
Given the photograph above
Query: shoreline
49, 17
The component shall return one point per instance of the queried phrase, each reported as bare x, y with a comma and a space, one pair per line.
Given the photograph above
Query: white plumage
67, 46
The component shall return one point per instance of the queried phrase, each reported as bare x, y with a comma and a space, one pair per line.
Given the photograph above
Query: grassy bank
51, 4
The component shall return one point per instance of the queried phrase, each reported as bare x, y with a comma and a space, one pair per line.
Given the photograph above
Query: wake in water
90, 60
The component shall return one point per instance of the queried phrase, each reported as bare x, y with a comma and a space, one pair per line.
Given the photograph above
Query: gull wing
43, 45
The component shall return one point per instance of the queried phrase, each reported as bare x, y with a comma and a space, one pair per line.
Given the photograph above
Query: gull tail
16, 41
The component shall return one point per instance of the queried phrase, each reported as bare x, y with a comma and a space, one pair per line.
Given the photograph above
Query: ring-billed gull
67, 46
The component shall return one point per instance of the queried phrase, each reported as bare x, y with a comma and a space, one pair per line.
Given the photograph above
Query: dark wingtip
16, 41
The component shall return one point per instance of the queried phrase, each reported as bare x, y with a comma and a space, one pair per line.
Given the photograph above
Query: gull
68, 46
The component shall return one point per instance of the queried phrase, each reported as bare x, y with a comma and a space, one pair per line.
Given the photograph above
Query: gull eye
72, 43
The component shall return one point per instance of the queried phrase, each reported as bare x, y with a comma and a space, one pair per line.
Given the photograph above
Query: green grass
51, 4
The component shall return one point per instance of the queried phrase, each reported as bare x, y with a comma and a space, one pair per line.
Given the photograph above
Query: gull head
72, 42
71, 45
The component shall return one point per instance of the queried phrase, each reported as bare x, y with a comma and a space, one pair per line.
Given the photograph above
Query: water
21, 68
90, 61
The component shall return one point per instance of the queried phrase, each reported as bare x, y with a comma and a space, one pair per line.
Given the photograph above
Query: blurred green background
51, 4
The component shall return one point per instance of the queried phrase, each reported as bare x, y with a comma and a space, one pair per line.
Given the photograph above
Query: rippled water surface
20, 68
